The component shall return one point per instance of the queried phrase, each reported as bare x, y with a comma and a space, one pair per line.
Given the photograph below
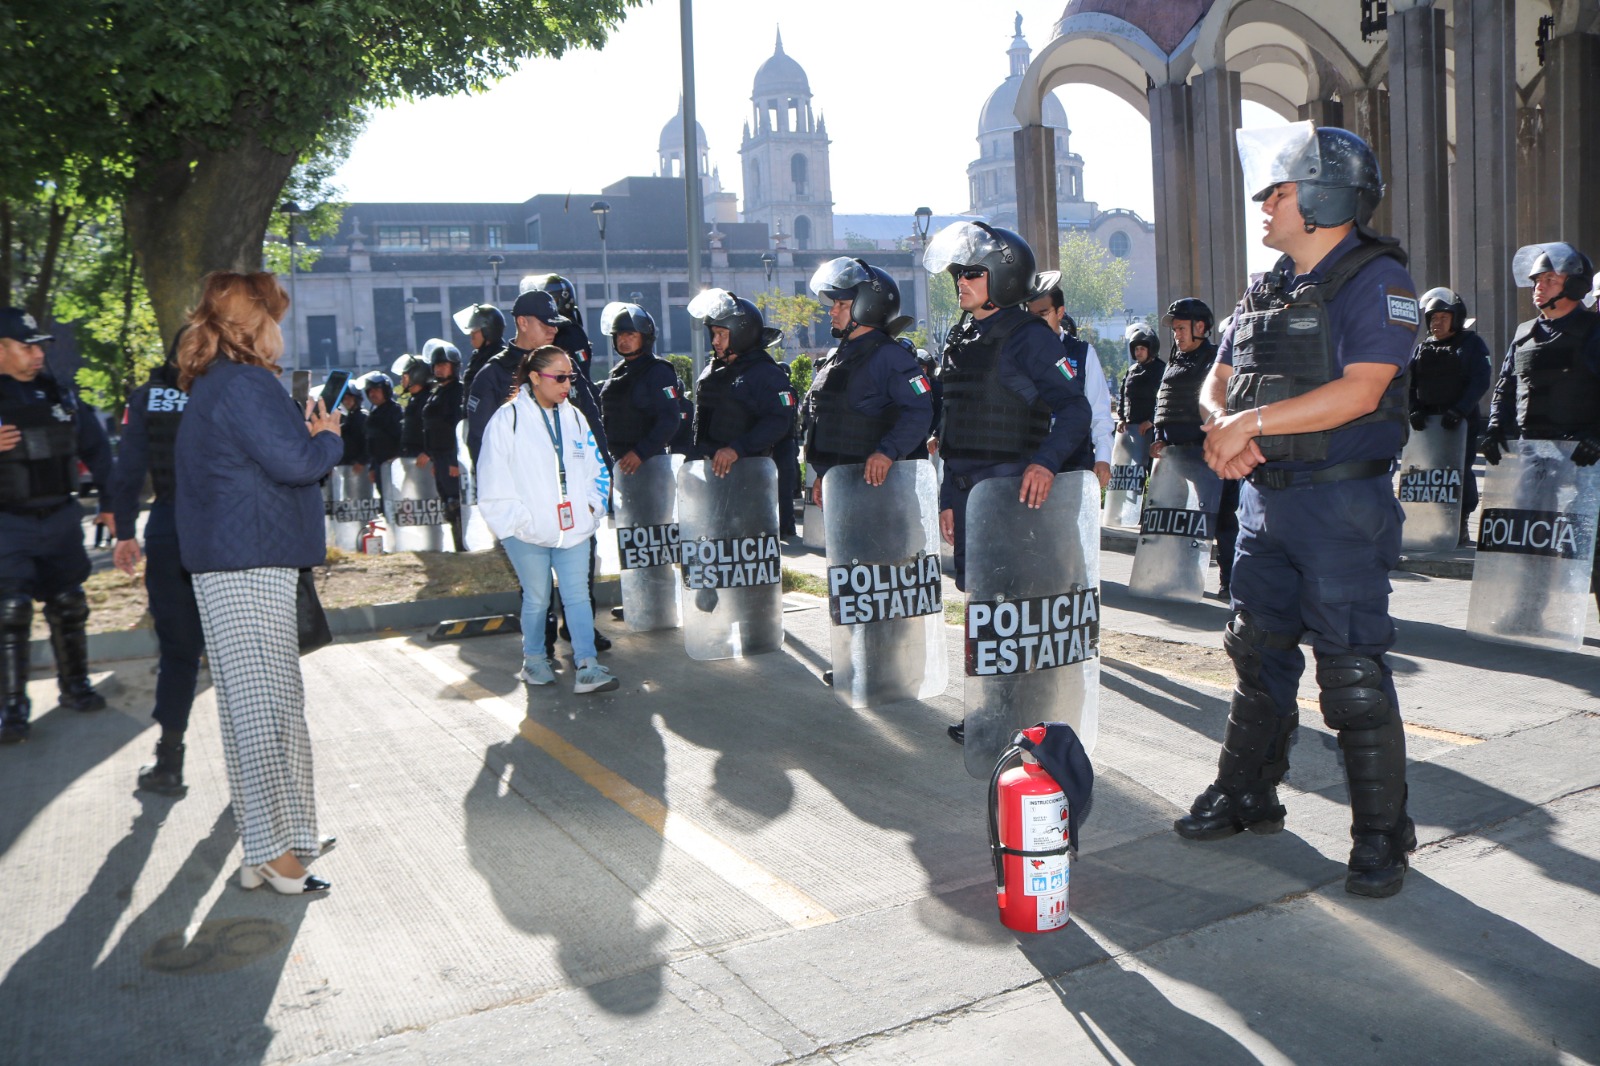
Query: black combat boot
1381, 832
68, 613
16, 616
1254, 759
165, 775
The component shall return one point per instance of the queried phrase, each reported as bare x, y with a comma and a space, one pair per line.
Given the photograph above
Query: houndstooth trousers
253, 643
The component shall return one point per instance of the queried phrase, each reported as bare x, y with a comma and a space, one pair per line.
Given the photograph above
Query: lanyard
555, 439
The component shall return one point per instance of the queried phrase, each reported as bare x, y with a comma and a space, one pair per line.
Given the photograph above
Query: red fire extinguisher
1028, 827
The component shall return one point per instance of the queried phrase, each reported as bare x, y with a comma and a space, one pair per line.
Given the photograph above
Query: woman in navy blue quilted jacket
248, 466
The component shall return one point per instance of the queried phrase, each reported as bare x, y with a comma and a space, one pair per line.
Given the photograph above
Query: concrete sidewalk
719, 863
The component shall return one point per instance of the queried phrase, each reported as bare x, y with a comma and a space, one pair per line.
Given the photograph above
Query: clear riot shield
1536, 542
1176, 527
352, 502
1130, 463
1429, 487
732, 569
884, 584
1033, 614
415, 513
646, 504
475, 532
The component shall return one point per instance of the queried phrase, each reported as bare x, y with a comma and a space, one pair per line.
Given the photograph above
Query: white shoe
252, 877
592, 677
536, 672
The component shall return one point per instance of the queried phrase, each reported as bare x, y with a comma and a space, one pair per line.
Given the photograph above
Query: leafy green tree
943, 311
193, 113
103, 298
1092, 279
800, 374
788, 313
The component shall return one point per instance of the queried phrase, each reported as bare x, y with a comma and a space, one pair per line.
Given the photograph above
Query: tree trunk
9, 253
38, 304
206, 212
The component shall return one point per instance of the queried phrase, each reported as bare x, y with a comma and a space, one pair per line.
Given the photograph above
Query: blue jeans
533, 564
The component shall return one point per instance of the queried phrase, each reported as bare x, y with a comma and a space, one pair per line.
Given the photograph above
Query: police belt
1283, 479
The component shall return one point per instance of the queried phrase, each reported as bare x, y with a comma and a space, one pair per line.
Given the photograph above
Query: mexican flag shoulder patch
786, 398
671, 391
920, 386
1066, 368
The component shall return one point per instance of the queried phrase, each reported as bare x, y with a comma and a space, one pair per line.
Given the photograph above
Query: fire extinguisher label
1045, 877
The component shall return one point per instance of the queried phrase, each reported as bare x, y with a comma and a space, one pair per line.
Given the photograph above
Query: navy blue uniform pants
178, 632
42, 554
1227, 530
1315, 559
961, 475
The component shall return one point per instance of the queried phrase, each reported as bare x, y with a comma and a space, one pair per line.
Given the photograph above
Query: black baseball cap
17, 325
538, 304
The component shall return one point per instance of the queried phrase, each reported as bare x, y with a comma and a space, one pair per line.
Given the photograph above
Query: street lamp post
291, 211
601, 209
767, 263
355, 360
411, 321
923, 220
495, 261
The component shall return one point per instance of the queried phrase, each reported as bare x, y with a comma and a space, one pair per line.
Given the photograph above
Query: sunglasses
972, 273
559, 379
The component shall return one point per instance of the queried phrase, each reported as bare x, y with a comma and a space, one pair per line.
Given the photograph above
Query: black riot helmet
1139, 333
376, 379
560, 288
628, 318
417, 371
438, 350
1443, 299
1005, 256
741, 318
1531, 260
487, 318
1191, 309
874, 297
1336, 174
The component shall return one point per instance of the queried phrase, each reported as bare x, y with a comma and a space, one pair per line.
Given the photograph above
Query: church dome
672, 133
999, 111
780, 76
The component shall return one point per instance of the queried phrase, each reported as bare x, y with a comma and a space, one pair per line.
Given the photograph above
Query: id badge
564, 515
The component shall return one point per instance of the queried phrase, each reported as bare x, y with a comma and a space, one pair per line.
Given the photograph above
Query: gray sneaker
536, 672
592, 677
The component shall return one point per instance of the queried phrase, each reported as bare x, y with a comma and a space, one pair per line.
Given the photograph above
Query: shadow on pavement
64, 746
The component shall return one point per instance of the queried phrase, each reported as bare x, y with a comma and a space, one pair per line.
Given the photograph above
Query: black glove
1419, 421
1587, 451
1450, 419
1494, 443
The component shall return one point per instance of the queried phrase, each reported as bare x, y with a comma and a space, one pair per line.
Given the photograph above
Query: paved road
720, 864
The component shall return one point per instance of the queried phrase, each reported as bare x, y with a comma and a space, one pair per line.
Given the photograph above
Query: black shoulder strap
1346, 268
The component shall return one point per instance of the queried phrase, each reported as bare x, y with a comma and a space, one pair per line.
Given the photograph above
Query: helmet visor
712, 305
463, 318
532, 283
1533, 259
402, 365
1043, 282
619, 317
837, 274
958, 244
1272, 154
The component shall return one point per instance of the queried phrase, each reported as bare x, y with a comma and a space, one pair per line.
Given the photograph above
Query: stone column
1486, 165
1367, 112
1419, 190
1172, 153
1571, 158
1036, 193
1218, 192
1529, 218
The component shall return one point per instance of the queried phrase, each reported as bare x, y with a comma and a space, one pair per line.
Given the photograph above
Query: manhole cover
217, 947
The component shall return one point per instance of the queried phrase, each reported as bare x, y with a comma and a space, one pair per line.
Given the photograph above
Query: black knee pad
1243, 641
16, 612
70, 607
1353, 694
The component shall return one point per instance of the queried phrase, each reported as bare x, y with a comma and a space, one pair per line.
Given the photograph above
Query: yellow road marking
786, 901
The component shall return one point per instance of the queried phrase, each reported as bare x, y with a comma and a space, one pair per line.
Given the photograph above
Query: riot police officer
870, 403
743, 403
1049, 303
485, 327
639, 401
441, 411
1307, 401
149, 438
384, 425
1136, 401
354, 431
44, 430
415, 374
1449, 375
573, 339
1549, 386
1177, 415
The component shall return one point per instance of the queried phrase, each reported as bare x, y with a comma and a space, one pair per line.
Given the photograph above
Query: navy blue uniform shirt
1365, 326
654, 391
764, 391
93, 447
891, 378
121, 495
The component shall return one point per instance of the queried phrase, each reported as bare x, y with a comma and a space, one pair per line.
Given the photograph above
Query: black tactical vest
41, 471
1178, 400
983, 419
719, 419
441, 410
163, 410
412, 441
839, 433
1558, 397
1437, 377
625, 424
1282, 348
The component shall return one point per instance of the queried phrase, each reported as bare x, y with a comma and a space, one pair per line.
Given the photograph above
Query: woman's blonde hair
237, 318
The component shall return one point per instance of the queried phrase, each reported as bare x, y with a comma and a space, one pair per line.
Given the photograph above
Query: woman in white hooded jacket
542, 489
